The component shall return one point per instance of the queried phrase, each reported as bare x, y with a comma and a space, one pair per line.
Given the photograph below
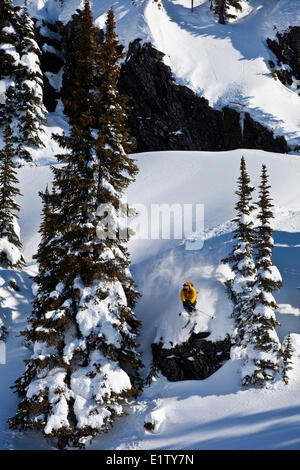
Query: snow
271, 273
12, 252
11, 50
295, 342
9, 29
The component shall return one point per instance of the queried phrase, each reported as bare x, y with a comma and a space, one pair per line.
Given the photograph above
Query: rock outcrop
286, 48
167, 116
196, 359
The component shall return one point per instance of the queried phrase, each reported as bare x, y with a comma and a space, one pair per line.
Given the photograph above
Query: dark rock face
286, 47
196, 359
166, 116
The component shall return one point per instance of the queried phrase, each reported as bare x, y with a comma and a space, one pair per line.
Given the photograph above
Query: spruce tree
222, 9
287, 358
116, 168
78, 98
8, 38
22, 78
241, 257
85, 366
10, 244
263, 349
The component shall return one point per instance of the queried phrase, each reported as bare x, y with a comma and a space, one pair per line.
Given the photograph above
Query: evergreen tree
46, 255
83, 331
116, 168
78, 98
222, 9
263, 344
287, 358
8, 39
241, 256
22, 79
10, 244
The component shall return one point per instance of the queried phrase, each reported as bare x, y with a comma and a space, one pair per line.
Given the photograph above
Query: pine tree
78, 99
46, 255
7, 38
263, 348
10, 244
116, 169
241, 256
222, 9
287, 358
85, 366
22, 78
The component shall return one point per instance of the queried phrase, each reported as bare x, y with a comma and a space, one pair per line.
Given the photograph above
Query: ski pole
210, 316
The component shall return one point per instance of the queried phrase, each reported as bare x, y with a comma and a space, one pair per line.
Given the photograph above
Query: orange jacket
190, 294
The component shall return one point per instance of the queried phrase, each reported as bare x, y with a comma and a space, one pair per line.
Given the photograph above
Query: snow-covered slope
228, 64
217, 412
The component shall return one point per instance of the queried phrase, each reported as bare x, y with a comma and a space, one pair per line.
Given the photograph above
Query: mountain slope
227, 64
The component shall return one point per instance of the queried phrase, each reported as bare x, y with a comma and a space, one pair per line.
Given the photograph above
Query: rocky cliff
286, 48
196, 359
167, 116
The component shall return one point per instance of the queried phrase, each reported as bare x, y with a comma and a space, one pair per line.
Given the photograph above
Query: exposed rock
166, 116
196, 359
286, 47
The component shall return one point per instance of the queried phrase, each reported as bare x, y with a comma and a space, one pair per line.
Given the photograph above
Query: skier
188, 297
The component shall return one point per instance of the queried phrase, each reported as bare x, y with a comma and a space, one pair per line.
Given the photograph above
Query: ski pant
189, 306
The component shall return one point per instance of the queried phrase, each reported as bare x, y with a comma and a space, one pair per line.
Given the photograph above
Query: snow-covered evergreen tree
8, 38
21, 80
83, 330
116, 169
263, 348
10, 244
287, 358
241, 257
225, 9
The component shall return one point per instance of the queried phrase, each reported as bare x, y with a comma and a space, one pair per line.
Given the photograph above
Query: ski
200, 311
187, 323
